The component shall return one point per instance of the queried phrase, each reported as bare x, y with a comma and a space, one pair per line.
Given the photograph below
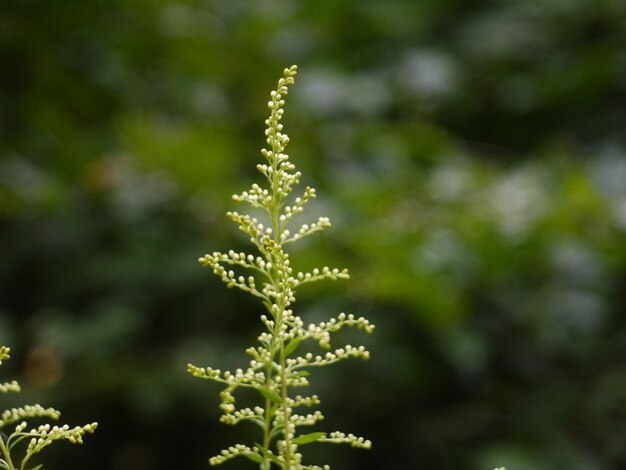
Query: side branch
322, 224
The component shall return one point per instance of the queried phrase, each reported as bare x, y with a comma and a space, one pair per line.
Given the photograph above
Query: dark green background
470, 154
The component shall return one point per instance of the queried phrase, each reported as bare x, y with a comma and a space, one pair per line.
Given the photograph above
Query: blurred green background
471, 156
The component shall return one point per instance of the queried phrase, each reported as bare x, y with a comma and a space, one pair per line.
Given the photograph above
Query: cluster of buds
274, 369
37, 437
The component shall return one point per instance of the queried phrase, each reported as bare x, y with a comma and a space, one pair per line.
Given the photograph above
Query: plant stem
5, 453
283, 381
268, 421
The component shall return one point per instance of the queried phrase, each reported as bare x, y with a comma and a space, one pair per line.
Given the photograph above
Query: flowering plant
37, 437
275, 370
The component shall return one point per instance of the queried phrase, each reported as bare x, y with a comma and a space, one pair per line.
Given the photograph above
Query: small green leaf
293, 344
253, 456
272, 366
275, 431
272, 410
272, 396
302, 373
308, 438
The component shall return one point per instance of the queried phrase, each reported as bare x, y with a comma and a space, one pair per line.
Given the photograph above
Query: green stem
5, 453
283, 381
268, 422
267, 427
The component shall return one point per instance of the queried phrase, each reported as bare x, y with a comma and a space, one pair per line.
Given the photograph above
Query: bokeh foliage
470, 154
